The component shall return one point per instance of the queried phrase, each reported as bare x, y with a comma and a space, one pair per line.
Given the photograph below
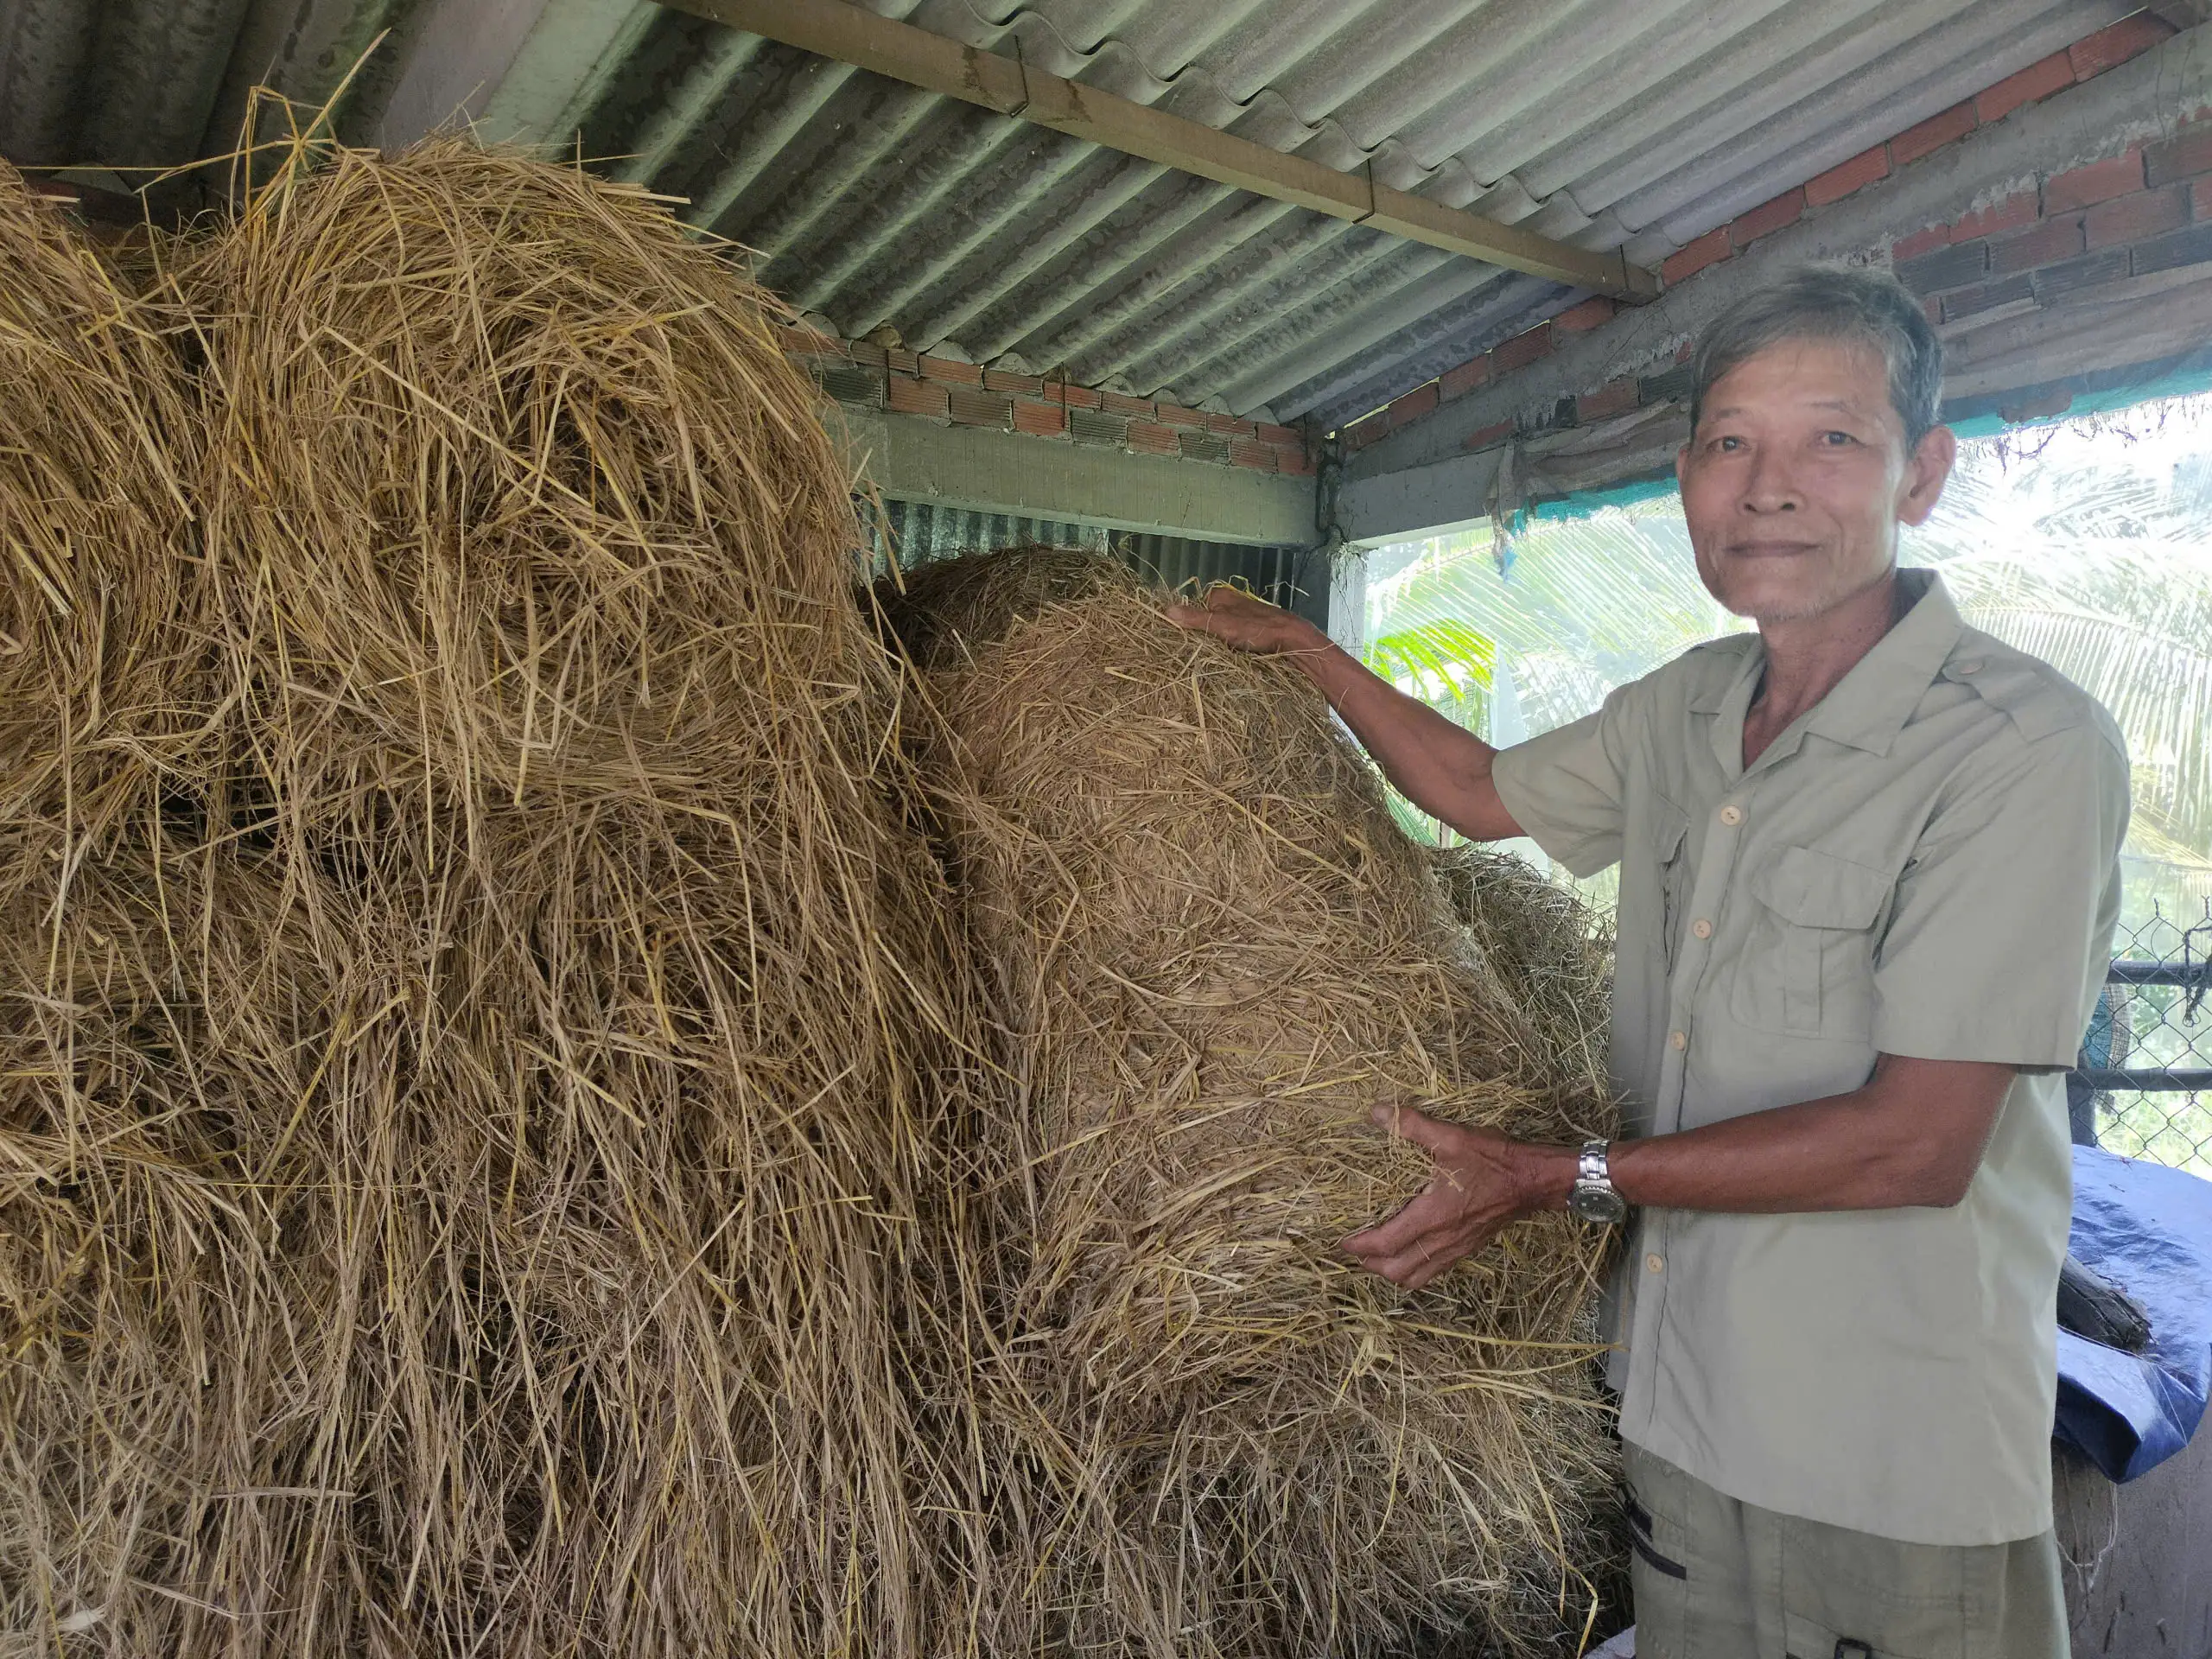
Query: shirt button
1702, 928
1654, 1261
1679, 1040
1731, 815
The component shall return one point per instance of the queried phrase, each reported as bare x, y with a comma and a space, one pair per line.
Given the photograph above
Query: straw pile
1212, 951
1550, 952
464, 1148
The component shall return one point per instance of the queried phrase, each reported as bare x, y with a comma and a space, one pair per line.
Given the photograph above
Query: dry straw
1212, 951
465, 1150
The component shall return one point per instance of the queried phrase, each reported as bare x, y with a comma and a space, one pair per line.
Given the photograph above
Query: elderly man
1869, 875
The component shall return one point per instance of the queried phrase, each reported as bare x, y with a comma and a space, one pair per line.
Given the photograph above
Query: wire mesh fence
2144, 1083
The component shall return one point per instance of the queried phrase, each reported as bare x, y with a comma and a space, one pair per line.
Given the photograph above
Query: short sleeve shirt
1926, 864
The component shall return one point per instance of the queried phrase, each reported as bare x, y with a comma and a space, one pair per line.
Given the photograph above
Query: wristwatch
1593, 1197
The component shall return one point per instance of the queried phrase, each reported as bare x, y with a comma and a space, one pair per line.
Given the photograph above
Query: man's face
1797, 477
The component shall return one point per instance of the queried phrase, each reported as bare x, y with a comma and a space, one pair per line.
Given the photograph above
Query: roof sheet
1605, 123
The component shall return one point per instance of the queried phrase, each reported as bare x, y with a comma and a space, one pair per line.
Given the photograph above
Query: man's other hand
1483, 1181
1236, 618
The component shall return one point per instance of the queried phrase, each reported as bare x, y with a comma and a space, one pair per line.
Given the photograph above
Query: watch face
1595, 1204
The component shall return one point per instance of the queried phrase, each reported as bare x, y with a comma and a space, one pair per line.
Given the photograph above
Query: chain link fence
2144, 1083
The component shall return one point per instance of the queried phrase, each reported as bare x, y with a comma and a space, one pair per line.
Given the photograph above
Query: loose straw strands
1211, 953
510, 1239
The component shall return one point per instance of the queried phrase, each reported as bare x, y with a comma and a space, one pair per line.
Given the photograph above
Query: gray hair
1832, 302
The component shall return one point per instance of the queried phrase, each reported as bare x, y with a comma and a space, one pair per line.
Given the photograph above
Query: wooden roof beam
834, 28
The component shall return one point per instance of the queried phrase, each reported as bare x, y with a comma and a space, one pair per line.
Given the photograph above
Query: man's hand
1482, 1181
1236, 618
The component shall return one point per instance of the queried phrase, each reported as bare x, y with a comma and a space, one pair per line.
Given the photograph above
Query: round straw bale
1213, 953
564, 1000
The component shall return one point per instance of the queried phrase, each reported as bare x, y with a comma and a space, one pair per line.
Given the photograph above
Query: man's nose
1772, 486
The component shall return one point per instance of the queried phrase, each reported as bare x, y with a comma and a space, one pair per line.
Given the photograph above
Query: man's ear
1681, 460
1926, 471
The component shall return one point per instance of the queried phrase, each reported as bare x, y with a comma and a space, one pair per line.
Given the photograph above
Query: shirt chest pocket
1808, 963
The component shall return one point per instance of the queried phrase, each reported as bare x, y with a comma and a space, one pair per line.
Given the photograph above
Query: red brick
1859, 171
1296, 461
1920, 242
2116, 43
2048, 243
1229, 426
1412, 405
2183, 156
1116, 404
1281, 435
1767, 217
2038, 81
901, 362
1684, 262
2200, 200
1457, 383
1175, 415
2014, 212
2084, 186
913, 397
999, 380
1616, 398
1365, 430
1150, 438
1984, 296
1592, 312
1524, 348
1250, 452
868, 351
2131, 219
973, 406
1933, 133
1074, 397
1039, 420
951, 373
1482, 437
1686, 351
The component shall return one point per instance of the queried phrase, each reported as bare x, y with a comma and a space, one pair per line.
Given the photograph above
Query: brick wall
2107, 220
2139, 214
862, 375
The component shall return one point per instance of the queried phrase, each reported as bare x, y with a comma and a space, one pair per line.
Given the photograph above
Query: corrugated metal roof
1605, 123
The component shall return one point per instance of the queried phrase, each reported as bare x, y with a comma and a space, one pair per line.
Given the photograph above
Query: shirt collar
1870, 705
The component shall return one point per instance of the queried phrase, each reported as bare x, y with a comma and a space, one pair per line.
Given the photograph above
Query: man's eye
1730, 444
1837, 440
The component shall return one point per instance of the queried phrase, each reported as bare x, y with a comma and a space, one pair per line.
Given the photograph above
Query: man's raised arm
1442, 768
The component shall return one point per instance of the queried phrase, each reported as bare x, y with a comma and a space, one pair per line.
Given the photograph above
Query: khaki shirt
1925, 864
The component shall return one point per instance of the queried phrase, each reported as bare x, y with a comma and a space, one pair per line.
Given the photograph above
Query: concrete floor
2140, 1556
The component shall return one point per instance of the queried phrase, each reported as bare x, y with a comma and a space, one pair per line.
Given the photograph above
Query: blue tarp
2148, 1228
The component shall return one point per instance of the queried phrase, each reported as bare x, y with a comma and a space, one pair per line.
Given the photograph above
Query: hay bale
522, 1201
1212, 951
92, 512
1553, 955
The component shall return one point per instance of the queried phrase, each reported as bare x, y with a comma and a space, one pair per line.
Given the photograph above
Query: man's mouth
1771, 550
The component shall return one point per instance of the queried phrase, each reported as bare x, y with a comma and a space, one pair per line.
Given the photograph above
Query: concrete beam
1433, 501
2142, 98
988, 471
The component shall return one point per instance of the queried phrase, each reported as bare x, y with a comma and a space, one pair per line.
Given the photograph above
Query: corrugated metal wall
1295, 578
